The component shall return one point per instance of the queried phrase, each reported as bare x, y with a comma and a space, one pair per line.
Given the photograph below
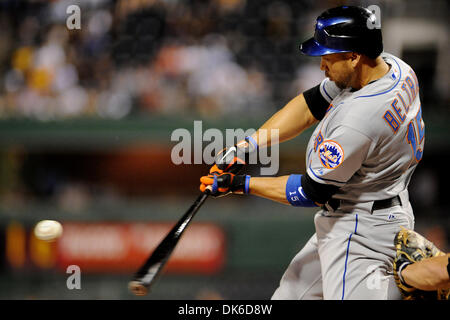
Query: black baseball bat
153, 266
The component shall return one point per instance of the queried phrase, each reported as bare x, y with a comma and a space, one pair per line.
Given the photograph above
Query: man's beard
340, 84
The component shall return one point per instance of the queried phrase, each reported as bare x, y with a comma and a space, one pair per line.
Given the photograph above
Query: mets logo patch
331, 154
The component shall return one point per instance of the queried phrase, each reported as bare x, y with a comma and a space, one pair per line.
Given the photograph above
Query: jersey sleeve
336, 157
319, 97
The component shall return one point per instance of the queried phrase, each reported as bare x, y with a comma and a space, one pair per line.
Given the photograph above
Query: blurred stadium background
86, 118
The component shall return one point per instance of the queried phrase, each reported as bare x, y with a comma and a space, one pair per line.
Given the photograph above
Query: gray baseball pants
349, 257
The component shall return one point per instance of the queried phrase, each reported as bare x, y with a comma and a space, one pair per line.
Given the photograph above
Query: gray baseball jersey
370, 140
368, 143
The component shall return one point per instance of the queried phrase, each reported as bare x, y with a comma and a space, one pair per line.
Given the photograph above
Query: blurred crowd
150, 56
145, 57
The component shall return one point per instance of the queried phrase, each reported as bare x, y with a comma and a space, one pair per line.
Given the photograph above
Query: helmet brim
312, 48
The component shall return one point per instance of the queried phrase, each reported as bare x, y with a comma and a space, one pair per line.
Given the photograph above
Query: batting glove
233, 159
225, 183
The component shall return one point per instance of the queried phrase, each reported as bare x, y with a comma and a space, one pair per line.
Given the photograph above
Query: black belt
377, 204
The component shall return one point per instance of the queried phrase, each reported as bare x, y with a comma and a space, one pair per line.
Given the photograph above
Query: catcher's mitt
412, 247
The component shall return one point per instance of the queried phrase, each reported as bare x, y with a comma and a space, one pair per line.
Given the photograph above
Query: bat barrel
152, 267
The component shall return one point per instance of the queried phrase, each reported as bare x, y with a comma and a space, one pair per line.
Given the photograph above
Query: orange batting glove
222, 184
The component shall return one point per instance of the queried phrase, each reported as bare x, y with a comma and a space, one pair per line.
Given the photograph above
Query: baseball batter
359, 161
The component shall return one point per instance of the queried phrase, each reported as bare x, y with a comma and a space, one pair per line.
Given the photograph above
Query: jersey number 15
416, 133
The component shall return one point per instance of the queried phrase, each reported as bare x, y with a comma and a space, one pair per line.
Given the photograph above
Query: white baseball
48, 230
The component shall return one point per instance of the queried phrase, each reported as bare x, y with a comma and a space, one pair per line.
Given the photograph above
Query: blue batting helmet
345, 29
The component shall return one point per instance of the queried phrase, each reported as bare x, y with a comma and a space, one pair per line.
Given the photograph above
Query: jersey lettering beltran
396, 118
416, 130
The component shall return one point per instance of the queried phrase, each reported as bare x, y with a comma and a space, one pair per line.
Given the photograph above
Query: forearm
272, 188
290, 121
429, 274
